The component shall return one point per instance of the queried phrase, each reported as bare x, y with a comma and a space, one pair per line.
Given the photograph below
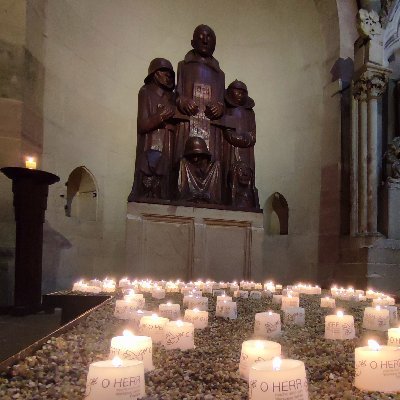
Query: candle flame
116, 362
340, 314
196, 310
374, 345
127, 332
269, 312
378, 308
259, 344
276, 363
179, 323
154, 315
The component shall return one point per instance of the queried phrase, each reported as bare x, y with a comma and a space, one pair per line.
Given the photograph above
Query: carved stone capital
368, 24
370, 85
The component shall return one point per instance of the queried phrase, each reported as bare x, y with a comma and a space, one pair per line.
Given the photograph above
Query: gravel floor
210, 371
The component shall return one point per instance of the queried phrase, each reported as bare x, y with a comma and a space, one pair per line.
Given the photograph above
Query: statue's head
236, 93
162, 73
244, 173
204, 41
196, 150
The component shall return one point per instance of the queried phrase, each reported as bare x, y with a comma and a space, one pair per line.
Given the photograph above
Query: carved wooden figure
155, 143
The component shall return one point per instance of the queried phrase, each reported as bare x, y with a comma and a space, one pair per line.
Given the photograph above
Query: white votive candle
290, 302
376, 319
269, 380
339, 327
200, 303
131, 347
256, 351
170, 311
394, 337
294, 316
197, 317
328, 302
224, 298
153, 326
267, 324
255, 294
125, 308
179, 335
115, 380
377, 368
158, 293
226, 309
135, 318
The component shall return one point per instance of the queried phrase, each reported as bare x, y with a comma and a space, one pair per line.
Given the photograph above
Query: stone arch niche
81, 195
276, 215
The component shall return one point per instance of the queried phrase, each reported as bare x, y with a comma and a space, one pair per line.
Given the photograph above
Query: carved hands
188, 106
166, 112
214, 110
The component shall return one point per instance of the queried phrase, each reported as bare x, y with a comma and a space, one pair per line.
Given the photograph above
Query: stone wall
96, 54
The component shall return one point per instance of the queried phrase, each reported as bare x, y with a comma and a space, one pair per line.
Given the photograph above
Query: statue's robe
195, 69
155, 141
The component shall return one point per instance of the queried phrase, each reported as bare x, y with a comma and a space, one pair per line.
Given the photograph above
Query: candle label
198, 302
386, 367
171, 314
394, 341
125, 310
174, 338
128, 354
267, 327
128, 387
339, 329
292, 389
294, 318
373, 320
226, 311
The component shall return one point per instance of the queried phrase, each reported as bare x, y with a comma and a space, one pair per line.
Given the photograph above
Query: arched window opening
81, 195
277, 215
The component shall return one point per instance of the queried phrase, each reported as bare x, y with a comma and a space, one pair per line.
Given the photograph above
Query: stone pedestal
30, 188
176, 242
392, 209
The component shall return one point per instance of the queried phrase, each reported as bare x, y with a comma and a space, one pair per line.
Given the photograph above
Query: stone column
369, 83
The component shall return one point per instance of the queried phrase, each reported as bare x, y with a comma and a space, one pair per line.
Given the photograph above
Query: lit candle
131, 347
200, 303
226, 309
179, 335
339, 326
135, 318
267, 324
256, 351
197, 317
125, 308
30, 163
294, 316
158, 293
376, 319
170, 311
224, 298
278, 380
394, 337
383, 301
377, 368
328, 302
115, 380
153, 326
290, 301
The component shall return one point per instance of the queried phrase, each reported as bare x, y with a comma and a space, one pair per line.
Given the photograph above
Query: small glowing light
259, 344
276, 363
30, 163
127, 332
378, 308
269, 312
116, 362
340, 314
196, 310
179, 323
139, 311
169, 303
374, 345
154, 316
